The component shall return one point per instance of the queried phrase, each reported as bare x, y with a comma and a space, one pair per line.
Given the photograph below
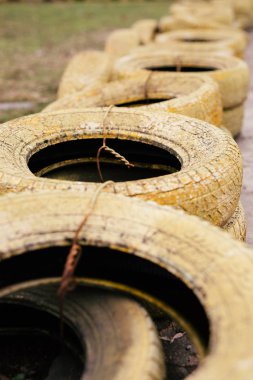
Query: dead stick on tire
68, 280
108, 149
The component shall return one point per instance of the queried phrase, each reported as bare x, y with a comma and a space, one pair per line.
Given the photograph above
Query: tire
85, 70
233, 119
145, 29
231, 73
175, 22
119, 337
121, 42
192, 96
206, 40
243, 13
208, 184
236, 225
212, 265
216, 12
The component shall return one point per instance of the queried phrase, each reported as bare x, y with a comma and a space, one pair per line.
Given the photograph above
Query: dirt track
245, 142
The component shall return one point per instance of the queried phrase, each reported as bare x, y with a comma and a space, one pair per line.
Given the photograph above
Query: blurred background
37, 39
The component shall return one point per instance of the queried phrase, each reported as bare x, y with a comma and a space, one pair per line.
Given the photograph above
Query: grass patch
37, 41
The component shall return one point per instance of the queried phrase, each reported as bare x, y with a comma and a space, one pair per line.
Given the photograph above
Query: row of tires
170, 145
111, 71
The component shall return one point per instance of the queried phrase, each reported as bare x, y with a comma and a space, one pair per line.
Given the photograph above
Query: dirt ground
245, 142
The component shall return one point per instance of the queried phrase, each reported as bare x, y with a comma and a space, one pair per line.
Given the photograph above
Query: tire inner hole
30, 345
112, 265
76, 161
181, 68
199, 40
142, 102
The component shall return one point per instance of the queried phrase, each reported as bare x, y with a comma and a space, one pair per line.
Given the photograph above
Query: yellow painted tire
179, 49
192, 96
175, 22
205, 40
236, 225
243, 13
231, 73
208, 184
121, 42
212, 265
233, 119
117, 335
84, 71
145, 29
192, 13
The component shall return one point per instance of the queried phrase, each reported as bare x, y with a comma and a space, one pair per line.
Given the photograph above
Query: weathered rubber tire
231, 73
175, 22
208, 184
243, 13
121, 42
205, 40
237, 225
179, 49
214, 12
84, 71
214, 266
119, 339
145, 29
192, 96
233, 119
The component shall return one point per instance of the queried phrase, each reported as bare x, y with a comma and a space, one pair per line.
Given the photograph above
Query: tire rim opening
142, 102
76, 161
181, 68
30, 344
204, 40
112, 265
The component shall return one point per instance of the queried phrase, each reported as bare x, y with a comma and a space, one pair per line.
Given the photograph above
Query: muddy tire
121, 42
206, 161
145, 29
236, 225
205, 40
205, 259
192, 96
119, 339
85, 70
231, 73
233, 119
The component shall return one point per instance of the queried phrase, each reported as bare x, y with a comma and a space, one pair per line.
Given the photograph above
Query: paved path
245, 142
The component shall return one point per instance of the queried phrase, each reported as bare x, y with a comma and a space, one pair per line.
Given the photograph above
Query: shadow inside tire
76, 161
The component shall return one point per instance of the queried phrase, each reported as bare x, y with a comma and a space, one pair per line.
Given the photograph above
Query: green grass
38, 40
28, 27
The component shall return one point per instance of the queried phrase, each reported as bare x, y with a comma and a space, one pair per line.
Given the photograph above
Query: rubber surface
145, 29
120, 42
118, 337
208, 184
231, 73
190, 95
233, 119
237, 225
85, 70
206, 40
217, 268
